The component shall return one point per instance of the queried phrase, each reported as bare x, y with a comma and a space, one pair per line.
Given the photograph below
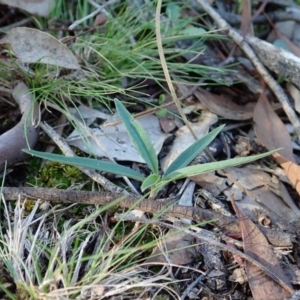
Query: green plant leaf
192, 30
209, 167
192, 151
138, 137
173, 12
149, 181
95, 164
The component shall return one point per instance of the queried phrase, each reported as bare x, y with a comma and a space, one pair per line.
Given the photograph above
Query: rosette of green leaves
178, 169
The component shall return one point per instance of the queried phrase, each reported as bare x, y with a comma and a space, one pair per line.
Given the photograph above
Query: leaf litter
267, 198
33, 46
114, 140
40, 8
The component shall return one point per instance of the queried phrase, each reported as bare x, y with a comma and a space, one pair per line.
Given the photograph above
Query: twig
91, 15
277, 90
160, 206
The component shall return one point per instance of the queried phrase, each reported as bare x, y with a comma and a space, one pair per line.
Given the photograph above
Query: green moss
54, 174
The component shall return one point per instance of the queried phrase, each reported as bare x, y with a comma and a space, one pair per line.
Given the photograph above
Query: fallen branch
161, 207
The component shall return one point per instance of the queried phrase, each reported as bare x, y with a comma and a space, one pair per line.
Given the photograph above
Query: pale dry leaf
89, 114
31, 46
174, 248
114, 140
238, 275
184, 138
249, 178
257, 247
261, 186
272, 204
35, 7
211, 182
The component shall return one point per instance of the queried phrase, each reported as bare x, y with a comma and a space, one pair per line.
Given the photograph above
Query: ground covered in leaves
225, 73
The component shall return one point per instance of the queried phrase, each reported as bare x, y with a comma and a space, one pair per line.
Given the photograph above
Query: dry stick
160, 206
274, 86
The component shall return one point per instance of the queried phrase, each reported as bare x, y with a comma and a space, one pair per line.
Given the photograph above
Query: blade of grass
191, 152
209, 167
138, 137
94, 164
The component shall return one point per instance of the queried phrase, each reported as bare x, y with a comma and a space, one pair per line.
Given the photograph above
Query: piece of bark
278, 60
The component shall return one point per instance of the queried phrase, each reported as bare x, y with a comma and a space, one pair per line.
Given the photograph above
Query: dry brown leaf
223, 106
36, 7
167, 124
270, 130
32, 45
100, 20
272, 133
257, 247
